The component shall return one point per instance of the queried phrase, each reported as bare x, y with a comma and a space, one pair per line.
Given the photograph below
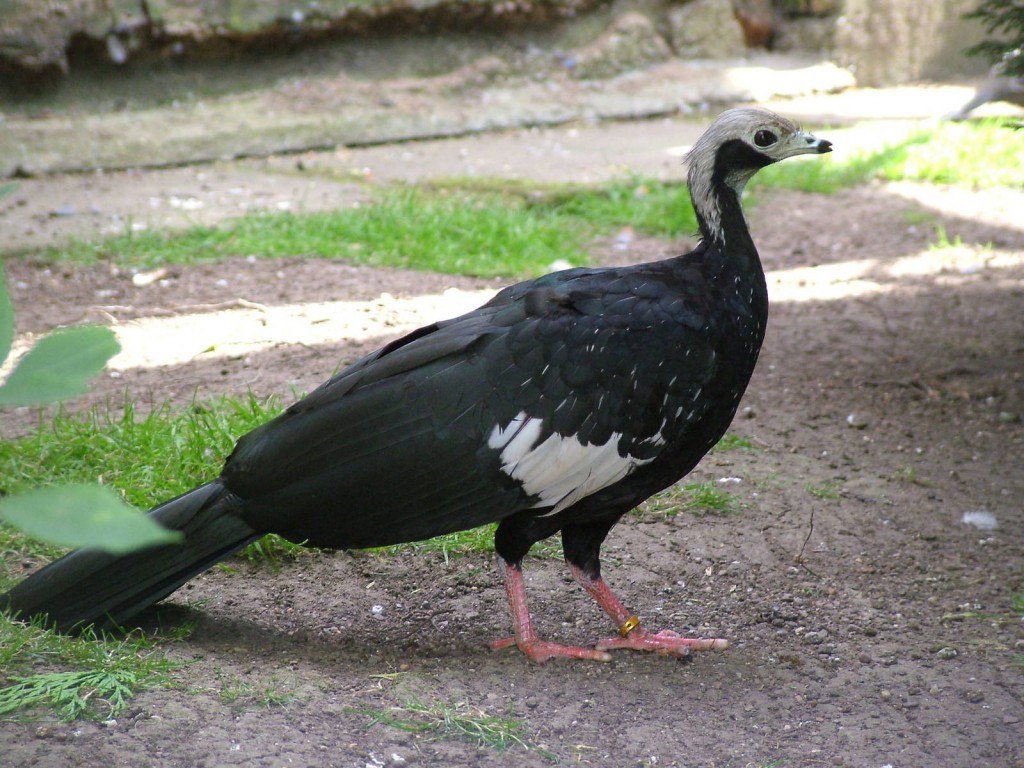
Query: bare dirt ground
870, 626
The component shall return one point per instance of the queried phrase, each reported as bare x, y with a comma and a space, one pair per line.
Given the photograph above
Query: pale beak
804, 143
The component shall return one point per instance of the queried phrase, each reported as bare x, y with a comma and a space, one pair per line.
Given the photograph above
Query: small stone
864, 658
814, 638
975, 697
856, 421
947, 653
885, 695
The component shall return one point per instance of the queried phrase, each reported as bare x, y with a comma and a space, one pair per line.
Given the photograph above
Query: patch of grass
697, 498
455, 720
264, 694
942, 241
907, 473
986, 153
979, 154
731, 442
823, 490
707, 498
464, 226
100, 675
651, 207
453, 233
146, 459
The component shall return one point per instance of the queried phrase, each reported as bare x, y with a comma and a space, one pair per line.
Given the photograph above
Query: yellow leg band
629, 625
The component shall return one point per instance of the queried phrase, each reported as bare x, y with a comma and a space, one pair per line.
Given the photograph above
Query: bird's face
777, 138
736, 146
741, 141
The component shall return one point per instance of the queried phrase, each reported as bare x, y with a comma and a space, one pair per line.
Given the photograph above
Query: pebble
947, 653
856, 421
816, 637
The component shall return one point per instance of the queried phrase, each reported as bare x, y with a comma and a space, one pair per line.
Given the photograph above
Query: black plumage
558, 406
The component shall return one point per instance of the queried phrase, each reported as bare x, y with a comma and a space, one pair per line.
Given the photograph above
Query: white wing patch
560, 470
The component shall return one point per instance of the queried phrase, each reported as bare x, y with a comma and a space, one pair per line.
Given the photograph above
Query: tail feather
93, 587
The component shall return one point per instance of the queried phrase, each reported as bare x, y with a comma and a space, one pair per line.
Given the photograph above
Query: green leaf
84, 516
59, 365
6, 318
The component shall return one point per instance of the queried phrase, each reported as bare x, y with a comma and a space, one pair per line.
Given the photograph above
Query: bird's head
737, 145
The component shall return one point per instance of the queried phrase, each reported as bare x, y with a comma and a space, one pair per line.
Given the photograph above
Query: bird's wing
532, 401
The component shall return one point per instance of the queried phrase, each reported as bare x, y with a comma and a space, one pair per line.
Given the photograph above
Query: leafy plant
106, 674
1001, 17
56, 368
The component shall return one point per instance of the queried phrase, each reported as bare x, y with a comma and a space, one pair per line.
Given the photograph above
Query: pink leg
525, 635
632, 635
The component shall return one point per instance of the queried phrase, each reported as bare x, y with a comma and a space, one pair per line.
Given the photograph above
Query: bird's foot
542, 650
666, 642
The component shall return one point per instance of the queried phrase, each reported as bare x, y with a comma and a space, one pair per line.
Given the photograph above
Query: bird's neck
731, 261
723, 225
716, 179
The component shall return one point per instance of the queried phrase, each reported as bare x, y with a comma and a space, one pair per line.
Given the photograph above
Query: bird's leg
526, 638
631, 634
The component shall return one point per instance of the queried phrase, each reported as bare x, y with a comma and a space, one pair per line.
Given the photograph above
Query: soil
869, 624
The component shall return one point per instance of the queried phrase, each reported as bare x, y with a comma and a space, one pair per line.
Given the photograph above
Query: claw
666, 642
542, 650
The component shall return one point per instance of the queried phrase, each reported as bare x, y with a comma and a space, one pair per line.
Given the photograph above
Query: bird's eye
765, 138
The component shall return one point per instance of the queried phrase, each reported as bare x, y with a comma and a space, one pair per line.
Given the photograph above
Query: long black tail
93, 587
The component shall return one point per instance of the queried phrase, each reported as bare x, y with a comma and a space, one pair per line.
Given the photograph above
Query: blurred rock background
882, 42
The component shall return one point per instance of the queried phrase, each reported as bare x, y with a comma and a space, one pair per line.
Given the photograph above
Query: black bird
557, 406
